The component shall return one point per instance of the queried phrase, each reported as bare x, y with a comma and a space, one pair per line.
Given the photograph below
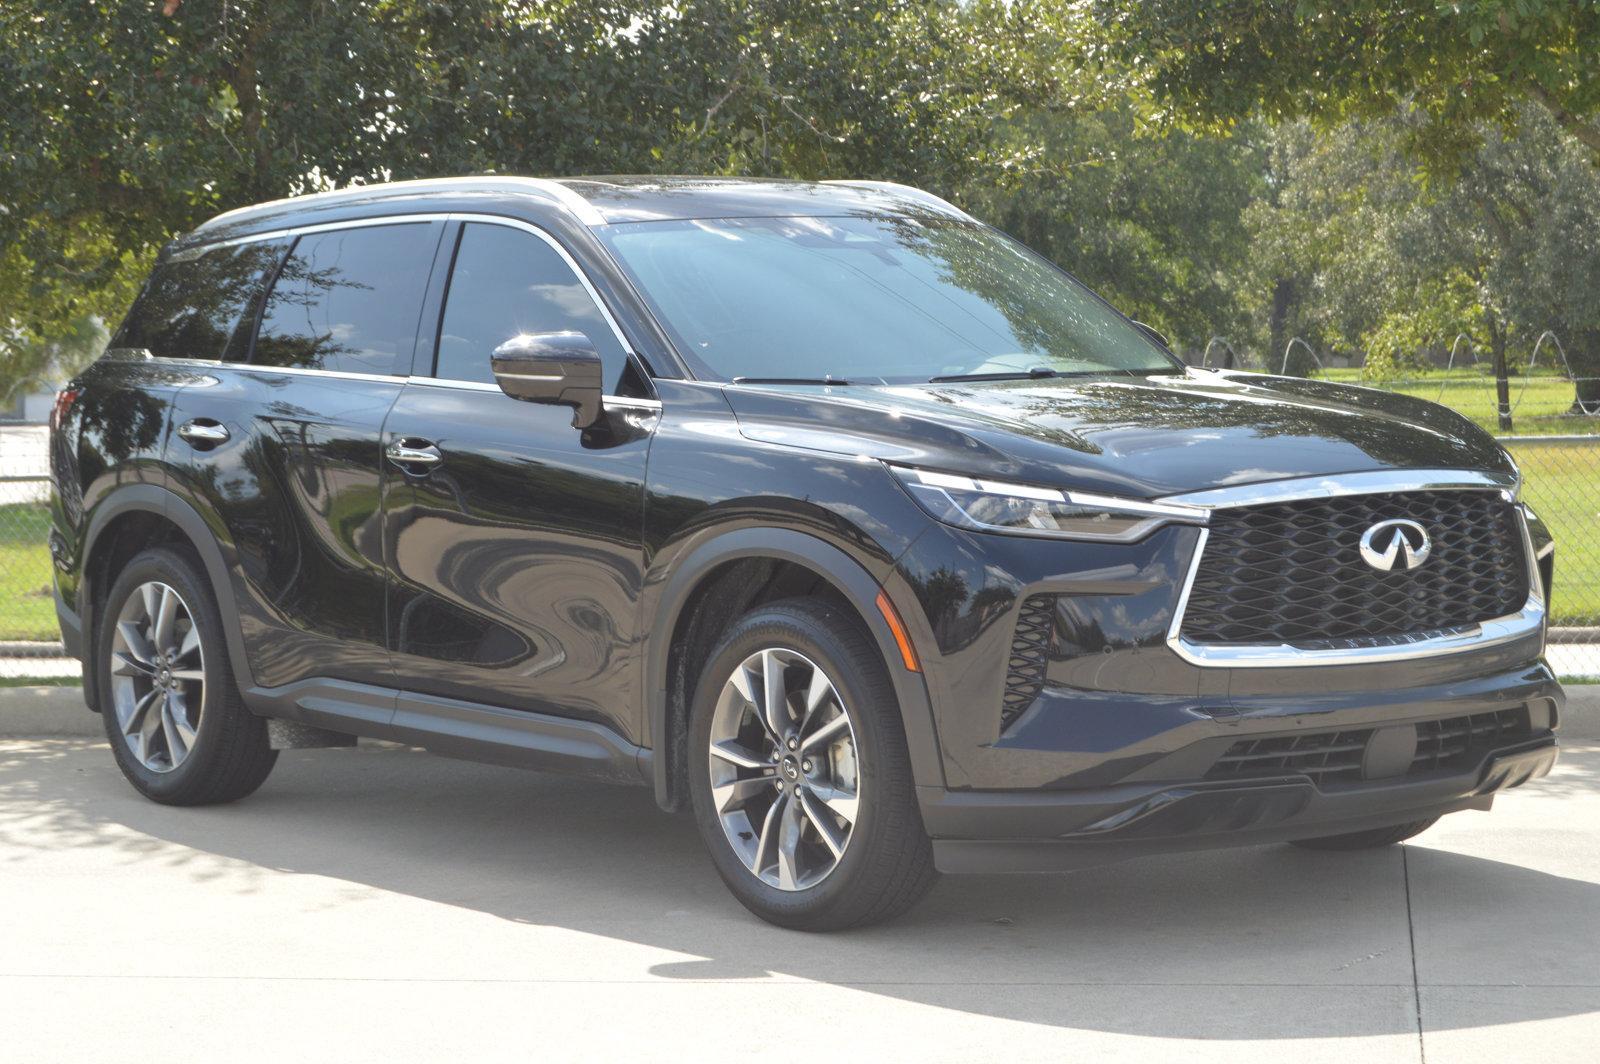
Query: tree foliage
1463, 65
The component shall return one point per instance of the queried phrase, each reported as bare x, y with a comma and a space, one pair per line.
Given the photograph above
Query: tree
1461, 64
125, 122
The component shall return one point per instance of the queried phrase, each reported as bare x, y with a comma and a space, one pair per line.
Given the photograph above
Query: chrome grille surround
1526, 621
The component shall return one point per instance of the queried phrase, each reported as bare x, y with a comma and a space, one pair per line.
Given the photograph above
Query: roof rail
585, 211
910, 192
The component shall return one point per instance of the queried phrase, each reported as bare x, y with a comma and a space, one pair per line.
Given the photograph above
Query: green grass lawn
27, 609
1562, 484
1539, 402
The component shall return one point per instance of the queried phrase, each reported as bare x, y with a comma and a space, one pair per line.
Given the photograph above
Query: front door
515, 542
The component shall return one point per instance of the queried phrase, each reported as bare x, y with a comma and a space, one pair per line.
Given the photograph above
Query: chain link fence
29, 639
1561, 477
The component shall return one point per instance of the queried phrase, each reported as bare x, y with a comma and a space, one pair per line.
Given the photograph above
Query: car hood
1133, 436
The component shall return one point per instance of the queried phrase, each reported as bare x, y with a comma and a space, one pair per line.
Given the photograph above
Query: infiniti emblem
1395, 545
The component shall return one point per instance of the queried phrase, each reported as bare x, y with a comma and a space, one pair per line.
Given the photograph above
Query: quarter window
190, 307
349, 300
507, 282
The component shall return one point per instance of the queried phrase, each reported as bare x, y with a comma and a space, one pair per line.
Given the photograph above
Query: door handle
203, 432
409, 454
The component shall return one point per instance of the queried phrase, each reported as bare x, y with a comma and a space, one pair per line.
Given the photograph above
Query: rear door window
191, 307
349, 300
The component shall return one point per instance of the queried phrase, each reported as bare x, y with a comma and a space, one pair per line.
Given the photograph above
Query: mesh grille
1030, 652
1292, 573
1451, 744
1324, 756
1458, 741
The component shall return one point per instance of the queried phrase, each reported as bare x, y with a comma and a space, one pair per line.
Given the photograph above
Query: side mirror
1151, 332
557, 367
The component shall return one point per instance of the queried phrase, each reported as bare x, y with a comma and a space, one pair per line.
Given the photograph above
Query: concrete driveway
383, 904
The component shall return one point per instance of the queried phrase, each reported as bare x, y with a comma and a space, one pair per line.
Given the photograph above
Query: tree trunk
1502, 383
1584, 357
1278, 322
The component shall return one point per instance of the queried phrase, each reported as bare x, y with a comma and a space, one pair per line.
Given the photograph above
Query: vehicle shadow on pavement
1333, 932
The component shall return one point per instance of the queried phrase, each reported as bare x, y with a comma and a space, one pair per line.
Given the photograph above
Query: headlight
1025, 510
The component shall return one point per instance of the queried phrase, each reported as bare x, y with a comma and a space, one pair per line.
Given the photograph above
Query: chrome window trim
623, 401
1377, 481
628, 349
1529, 620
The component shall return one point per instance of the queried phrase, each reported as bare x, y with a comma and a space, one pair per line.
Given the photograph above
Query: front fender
712, 548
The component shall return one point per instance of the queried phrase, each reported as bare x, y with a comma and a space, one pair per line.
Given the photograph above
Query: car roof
590, 201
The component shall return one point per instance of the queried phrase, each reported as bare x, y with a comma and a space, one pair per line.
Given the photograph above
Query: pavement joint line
784, 982
1411, 933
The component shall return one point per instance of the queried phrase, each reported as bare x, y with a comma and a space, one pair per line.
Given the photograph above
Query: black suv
821, 509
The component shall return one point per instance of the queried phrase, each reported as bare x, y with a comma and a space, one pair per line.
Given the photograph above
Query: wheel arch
680, 627
127, 521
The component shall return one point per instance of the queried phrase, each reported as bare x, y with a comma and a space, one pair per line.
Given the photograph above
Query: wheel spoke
789, 847
161, 630
191, 675
135, 717
735, 793
775, 699
191, 642
824, 824
150, 597
150, 725
138, 646
177, 747
125, 664
845, 804
816, 694
827, 733
730, 751
769, 834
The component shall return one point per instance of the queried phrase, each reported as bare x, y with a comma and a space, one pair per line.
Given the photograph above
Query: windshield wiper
1037, 373
828, 379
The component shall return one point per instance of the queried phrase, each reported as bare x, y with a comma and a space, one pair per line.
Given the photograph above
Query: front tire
172, 712
799, 776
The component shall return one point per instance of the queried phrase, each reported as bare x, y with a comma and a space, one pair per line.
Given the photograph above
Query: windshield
868, 299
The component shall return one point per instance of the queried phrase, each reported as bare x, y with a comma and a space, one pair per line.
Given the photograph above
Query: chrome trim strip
1367, 483
1525, 622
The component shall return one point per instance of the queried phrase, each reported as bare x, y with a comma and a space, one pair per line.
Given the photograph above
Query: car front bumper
1052, 831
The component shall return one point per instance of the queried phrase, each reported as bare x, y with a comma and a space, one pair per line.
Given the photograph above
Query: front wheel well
720, 598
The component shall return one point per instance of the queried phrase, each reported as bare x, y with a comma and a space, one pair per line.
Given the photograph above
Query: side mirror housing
1153, 334
558, 367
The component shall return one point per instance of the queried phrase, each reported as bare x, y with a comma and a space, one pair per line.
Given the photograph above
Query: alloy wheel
157, 676
785, 772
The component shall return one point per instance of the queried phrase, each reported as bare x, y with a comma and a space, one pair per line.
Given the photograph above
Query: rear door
517, 553
284, 448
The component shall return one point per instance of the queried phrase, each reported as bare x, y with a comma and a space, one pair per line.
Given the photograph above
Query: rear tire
1371, 839
178, 728
809, 812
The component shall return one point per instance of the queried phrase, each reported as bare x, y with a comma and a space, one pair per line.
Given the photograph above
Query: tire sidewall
179, 573
869, 698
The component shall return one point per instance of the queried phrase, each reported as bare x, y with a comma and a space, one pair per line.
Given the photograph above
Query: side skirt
453, 728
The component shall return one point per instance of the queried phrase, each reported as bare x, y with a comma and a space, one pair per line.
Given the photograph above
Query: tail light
63, 406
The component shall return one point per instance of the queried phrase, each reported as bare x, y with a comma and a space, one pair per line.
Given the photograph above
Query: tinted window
190, 308
865, 298
348, 300
507, 282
